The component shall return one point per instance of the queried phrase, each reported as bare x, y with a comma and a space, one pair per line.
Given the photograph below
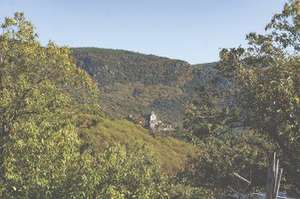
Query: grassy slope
171, 153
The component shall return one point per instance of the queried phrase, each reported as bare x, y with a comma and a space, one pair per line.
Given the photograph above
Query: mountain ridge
133, 83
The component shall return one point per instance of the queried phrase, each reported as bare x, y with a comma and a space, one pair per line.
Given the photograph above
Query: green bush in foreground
119, 172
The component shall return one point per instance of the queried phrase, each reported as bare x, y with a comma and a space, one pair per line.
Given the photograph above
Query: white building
153, 122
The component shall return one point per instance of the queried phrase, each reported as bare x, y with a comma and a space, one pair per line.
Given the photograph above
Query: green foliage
54, 137
219, 159
129, 172
187, 192
270, 103
119, 172
38, 137
265, 96
204, 119
110, 66
267, 79
99, 133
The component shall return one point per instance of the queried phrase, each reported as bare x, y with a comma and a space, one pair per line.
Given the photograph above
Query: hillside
134, 84
98, 133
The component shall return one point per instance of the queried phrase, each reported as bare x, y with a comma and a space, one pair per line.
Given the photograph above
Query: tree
39, 140
266, 103
204, 119
44, 98
266, 74
219, 159
130, 172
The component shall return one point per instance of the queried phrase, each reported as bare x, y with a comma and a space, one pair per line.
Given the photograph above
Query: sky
191, 30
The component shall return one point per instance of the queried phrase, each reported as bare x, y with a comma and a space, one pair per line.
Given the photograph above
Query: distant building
150, 121
153, 122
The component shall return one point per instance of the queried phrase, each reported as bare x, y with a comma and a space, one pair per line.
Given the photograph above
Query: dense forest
64, 132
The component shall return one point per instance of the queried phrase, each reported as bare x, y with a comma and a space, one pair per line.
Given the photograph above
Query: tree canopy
43, 97
266, 102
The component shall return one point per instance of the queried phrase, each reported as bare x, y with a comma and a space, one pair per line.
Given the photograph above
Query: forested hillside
148, 83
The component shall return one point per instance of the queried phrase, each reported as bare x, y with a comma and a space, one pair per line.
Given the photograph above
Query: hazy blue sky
192, 30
